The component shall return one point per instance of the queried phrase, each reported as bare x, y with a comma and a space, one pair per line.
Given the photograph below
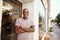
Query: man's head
25, 12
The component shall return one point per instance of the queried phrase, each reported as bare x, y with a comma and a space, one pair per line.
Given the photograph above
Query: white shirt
27, 24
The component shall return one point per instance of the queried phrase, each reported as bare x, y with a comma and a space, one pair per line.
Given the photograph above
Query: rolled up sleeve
17, 23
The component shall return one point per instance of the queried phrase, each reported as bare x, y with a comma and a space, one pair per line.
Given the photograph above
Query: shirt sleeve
17, 23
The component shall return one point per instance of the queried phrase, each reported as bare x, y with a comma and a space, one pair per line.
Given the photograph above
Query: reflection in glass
42, 28
10, 12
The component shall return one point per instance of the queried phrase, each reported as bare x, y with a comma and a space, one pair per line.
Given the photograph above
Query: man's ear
28, 14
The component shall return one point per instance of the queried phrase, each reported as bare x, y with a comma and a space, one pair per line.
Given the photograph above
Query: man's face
25, 13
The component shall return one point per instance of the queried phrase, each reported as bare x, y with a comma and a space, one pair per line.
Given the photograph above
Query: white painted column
0, 16
36, 19
0, 12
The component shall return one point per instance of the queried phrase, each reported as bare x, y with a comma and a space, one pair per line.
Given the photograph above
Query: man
24, 27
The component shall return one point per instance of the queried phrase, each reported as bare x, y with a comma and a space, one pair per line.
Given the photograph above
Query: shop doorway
11, 10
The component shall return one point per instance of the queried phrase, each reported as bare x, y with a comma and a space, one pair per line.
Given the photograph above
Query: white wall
0, 16
0, 12
30, 7
33, 15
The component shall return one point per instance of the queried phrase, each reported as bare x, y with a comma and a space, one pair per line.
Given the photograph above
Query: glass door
10, 12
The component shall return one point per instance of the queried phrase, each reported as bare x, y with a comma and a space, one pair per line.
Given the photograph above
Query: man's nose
25, 13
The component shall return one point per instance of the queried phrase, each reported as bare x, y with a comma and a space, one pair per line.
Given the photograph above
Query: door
10, 12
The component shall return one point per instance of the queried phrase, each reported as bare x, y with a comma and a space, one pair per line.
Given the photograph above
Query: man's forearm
19, 30
30, 30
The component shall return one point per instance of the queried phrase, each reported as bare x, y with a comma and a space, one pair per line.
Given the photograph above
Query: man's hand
19, 30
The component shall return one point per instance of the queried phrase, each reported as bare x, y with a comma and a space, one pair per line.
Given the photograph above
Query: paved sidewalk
56, 32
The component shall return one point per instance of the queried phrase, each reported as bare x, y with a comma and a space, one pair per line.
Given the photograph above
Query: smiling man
24, 27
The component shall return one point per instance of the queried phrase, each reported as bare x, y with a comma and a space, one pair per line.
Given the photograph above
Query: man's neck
25, 18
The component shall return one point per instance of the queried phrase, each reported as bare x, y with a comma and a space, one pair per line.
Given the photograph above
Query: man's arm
19, 30
31, 29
